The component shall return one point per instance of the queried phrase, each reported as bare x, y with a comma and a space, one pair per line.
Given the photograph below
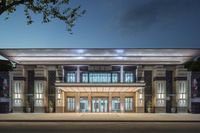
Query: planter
173, 110
50, 110
149, 110
28, 110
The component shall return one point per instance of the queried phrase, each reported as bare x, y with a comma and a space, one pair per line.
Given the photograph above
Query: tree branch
14, 3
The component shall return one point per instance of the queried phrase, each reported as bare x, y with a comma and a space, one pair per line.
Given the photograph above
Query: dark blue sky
113, 24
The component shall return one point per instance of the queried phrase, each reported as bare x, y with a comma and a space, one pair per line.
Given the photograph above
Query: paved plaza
109, 117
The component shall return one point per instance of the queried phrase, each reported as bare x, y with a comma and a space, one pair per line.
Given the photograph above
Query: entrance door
83, 104
99, 104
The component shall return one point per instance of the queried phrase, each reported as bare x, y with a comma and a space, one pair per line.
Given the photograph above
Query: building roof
101, 56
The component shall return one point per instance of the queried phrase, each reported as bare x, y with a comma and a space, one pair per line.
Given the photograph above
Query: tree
49, 9
193, 65
5, 65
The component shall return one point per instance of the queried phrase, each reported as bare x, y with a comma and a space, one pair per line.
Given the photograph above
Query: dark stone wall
148, 88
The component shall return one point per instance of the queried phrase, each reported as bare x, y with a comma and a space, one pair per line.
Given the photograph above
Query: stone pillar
189, 75
78, 74
60, 74
40, 88
77, 102
159, 89
140, 74
139, 100
121, 74
89, 102
110, 102
182, 90
122, 102
18, 88
59, 100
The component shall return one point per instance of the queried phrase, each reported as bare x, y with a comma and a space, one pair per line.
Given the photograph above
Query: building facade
100, 80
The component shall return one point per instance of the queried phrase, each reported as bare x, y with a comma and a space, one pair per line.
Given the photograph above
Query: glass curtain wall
70, 104
128, 104
92, 77
84, 104
99, 104
115, 104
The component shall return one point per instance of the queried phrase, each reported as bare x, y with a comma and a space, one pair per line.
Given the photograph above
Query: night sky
111, 24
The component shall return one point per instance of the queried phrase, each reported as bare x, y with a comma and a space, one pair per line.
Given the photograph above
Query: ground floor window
128, 104
84, 104
115, 104
71, 104
99, 104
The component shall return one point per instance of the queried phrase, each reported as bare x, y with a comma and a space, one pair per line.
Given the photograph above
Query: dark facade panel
180, 78
19, 78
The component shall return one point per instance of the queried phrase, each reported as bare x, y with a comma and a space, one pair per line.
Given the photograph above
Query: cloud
155, 12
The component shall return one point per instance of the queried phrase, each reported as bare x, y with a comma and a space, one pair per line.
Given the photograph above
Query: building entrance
99, 104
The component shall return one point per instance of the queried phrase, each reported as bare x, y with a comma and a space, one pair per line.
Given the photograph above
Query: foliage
193, 65
49, 9
5, 65
50, 104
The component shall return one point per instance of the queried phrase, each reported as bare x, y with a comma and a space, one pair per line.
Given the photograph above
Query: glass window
182, 93
71, 77
94, 77
128, 104
71, 104
129, 77
160, 94
17, 92
115, 77
39, 92
115, 104
84, 77
84, 104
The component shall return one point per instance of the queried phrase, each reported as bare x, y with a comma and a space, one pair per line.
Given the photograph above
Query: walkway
107, 117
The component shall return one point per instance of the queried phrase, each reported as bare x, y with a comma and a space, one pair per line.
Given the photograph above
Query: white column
121, 102
78, 74
63, 74
121, 74
77, 102
189, 91
136, 73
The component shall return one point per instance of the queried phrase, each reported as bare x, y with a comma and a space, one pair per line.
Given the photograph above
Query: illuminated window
71, 104
129, 77
160, 94
97, 77
182, 93
128, 104
71, 77
115, 104
39, 92
17, 92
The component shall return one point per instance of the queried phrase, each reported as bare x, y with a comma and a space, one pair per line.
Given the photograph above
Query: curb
99, 121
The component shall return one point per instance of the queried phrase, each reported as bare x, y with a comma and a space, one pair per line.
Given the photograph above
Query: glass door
99, 104
84, 104
70, 104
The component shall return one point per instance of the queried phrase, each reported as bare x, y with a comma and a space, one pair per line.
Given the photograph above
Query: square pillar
89, 102
18, 89
110, 102
121, 102
59, 100
121, 74
182, 91
78, 74
77, 102
139, 102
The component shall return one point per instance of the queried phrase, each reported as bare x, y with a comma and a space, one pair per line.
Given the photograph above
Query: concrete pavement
99, 117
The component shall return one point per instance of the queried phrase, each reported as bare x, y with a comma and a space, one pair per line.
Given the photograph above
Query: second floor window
70, 77
129, 77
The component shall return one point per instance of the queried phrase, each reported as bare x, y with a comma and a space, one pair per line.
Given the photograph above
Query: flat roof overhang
82, 87
34, 56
